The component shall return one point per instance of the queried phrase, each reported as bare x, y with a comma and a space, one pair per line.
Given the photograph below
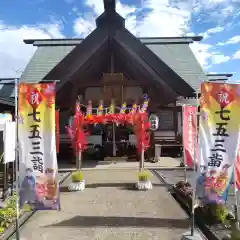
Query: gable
175, 52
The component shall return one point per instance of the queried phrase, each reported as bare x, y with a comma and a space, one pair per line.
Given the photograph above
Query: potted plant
144, 182
78, 182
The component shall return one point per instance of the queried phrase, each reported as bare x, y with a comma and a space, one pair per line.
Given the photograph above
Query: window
166, 120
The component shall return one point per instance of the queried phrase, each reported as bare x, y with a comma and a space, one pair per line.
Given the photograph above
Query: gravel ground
109, 209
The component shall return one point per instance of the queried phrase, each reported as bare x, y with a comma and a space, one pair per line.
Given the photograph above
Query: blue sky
218, 21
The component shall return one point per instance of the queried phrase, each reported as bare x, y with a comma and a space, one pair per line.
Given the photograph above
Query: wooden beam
99, 83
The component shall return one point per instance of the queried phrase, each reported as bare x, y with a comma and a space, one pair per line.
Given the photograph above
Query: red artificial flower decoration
139, 120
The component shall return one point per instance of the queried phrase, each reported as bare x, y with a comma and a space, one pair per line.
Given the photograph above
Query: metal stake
236, 200
184, 155
17, 161
142, 159
79, 160
195, 172
114, 139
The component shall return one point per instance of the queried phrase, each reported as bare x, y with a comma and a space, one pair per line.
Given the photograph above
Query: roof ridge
31, 41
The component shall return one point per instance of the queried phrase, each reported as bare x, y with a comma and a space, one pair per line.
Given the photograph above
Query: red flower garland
138, 120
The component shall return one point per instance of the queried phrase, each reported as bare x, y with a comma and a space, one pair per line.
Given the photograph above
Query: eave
7, 101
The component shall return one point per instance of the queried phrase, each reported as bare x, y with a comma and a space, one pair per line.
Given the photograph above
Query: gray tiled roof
173, 51
7, 90
7, 101
182, 60
44, 59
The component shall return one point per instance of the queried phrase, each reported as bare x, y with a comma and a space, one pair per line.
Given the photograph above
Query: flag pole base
188, 236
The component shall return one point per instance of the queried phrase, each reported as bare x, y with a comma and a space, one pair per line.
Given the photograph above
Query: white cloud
83, 25
167, 19
164, 18
219, 58
202, 53
153, 24
232, 40
236, 55
14, 53
212, 31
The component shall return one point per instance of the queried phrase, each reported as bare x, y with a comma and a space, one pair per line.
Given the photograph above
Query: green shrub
77, 176
143, 176
8, 213
221, 213
215, 213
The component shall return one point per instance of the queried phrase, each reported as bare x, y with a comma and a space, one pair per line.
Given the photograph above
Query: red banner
189, 133
57, 130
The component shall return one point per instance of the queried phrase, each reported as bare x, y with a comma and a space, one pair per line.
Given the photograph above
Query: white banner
218, 139
9, 142
39, 184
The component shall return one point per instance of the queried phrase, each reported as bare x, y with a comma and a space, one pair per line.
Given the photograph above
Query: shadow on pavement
123, 186
98, 221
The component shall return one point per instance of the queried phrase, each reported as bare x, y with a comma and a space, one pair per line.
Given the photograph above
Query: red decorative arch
138, 119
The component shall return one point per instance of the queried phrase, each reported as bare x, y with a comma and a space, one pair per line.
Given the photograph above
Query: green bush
221, 213
143, 176
77, 176
215, 213
8, 213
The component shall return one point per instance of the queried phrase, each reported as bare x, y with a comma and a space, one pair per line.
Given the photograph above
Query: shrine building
112, 63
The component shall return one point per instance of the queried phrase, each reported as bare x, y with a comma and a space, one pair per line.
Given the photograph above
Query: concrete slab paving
165, 162
109, 209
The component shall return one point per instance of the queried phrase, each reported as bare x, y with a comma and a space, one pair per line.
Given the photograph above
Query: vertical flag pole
142, 159
114, 127
78, 149
184, 155
195, 169
17, 160
236, 199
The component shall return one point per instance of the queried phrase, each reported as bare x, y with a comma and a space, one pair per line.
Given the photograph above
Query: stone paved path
109, 210
165, 162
